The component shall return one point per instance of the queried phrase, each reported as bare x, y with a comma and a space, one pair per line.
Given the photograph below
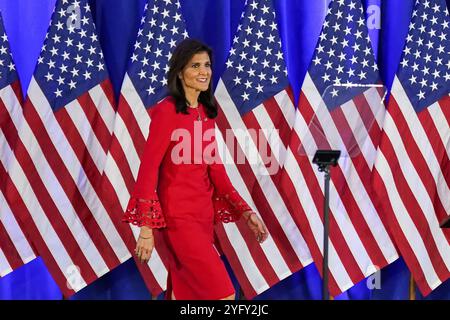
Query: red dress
182, 191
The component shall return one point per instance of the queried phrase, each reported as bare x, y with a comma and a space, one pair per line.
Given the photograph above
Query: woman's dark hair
180, 57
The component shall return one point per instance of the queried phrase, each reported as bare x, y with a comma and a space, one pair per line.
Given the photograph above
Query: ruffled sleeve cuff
144, 212
229, 207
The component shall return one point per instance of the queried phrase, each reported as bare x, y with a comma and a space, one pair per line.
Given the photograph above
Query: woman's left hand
257, 226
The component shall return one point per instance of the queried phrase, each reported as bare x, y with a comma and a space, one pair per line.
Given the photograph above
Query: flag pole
412, 288
241, 294
326, 228
325, 159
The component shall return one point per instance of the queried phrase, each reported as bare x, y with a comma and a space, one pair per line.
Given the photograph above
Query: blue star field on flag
425, 66
343, 55
255, 68
8, 72
71, 60
162, 28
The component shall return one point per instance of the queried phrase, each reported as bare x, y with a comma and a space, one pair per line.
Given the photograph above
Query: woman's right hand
145, 244
257, 226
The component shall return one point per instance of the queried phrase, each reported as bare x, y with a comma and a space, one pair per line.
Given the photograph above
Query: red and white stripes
15, 249
412, 171
258, 267
61, 156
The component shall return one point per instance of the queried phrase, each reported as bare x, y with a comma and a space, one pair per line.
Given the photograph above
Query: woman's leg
232, 297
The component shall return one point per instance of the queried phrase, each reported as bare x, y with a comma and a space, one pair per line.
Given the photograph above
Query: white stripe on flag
126, 143
5, 267
114, 175
249, 266
354, 120
84, 128
14, 231
271, 134
137, 107
379, 111
103, 106
287, 108
436, 114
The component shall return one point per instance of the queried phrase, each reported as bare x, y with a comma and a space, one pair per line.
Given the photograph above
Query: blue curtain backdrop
214, 22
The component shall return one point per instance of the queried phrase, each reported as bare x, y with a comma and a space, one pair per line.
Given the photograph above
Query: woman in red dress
182, 188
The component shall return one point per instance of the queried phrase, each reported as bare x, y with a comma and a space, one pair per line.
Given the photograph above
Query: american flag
145, 84
15, 249
255, 119
412, 171
69, 117
340, 108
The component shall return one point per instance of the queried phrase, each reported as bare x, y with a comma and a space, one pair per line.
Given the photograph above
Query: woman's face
196, 74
